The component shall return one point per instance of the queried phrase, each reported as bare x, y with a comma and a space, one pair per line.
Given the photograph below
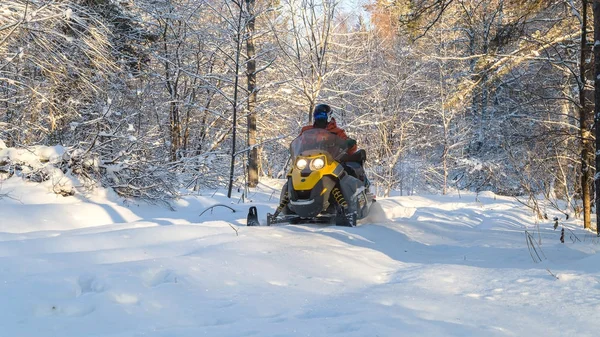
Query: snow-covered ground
86, 266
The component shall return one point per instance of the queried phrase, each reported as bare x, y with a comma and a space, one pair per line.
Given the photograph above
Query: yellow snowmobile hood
306, 179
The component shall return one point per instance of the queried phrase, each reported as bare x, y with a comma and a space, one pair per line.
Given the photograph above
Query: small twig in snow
552, 273
213, 206
573, 233
236, 230
7, 196
533, 250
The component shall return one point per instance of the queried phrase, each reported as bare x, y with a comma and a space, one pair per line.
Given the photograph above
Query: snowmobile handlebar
359, 157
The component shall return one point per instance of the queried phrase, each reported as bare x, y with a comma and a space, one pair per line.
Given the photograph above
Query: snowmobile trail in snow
417, 266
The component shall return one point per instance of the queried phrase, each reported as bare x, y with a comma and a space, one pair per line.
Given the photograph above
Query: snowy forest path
422, 265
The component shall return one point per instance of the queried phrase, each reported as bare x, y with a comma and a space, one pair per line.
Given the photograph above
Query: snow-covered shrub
67, 169
129, 174
140, 180
38, 164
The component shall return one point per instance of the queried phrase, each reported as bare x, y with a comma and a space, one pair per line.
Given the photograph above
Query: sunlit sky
355, 7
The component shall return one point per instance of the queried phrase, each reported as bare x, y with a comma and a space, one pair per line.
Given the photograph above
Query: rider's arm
353, 148
351, 142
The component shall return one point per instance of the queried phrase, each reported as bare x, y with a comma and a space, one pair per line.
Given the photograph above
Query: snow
35, 157
88, 265
40, 160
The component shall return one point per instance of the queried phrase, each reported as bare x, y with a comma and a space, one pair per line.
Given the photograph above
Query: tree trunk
238, 51
561, 183
175, 128
596, 10
171, 83
446, 129
583, 125
251, 74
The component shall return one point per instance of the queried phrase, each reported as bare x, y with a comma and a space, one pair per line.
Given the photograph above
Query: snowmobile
324, 184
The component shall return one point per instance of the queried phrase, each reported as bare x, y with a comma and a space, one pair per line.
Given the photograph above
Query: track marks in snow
64, 309
125, 298
79, 295
344, 329
156, 277
89, 284
325, 280
67, 297
324, 313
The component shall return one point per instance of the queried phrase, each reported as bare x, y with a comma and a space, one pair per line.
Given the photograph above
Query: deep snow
420, 266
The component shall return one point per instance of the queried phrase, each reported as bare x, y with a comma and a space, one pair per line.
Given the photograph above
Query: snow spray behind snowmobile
325, 184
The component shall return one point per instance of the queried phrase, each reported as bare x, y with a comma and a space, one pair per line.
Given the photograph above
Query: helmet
322, 111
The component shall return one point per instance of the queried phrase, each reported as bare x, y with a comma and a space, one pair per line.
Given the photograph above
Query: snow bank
38, 164
35, 157
446, 266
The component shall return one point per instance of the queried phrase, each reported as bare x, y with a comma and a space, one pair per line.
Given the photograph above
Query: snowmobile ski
252, 219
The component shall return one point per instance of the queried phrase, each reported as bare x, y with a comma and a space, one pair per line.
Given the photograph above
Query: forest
155, 97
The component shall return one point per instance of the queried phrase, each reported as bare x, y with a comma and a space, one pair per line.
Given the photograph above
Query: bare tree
252, 93
65, 45
306, 49
584, 112
596, 13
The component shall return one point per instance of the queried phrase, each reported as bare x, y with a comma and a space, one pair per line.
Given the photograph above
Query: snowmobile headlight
317, 164
301, 164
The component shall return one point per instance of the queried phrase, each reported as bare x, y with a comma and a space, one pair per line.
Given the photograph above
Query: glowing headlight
301, 164
317, 164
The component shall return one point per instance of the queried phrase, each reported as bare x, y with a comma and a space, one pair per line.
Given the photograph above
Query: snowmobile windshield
320, 140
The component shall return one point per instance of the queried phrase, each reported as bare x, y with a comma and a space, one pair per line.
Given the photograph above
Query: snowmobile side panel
349, 185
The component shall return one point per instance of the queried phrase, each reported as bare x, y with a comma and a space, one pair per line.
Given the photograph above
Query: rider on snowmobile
326, 182
323, 120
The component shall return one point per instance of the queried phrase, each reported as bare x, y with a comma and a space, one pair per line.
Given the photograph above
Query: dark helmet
322, 111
